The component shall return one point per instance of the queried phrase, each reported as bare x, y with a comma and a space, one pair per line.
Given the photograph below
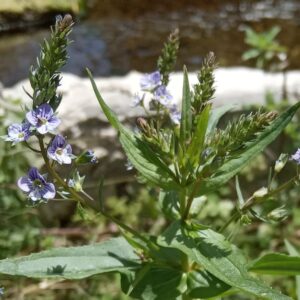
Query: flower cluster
152, 84
39, 122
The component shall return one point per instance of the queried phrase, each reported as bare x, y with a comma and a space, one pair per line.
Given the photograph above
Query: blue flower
88, 156
92, 157
18, 132
1, 291
162, 95
36, 187
43, 118
296, 156
175, 114
151, 81
137, 99
60, 151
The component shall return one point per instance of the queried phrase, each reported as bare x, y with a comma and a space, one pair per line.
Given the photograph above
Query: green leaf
169, 204
277, 264
160, 283
215, 115
143, 158
217, 256
252, 53
186, 112
202, 284
196, 146
292, 251
233, 166
74, 262
239, 192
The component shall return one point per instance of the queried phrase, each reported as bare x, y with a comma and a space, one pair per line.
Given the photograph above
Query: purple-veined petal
32, 118
25, 184
53, 122
49, 191
44, 111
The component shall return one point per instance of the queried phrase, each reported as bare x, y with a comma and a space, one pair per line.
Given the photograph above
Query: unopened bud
270, 116
281, 162
76, 182
278, 214
64, 22
245, 220
260, 193
86, 157
144, 126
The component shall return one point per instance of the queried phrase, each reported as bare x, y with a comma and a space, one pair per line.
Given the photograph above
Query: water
115, 40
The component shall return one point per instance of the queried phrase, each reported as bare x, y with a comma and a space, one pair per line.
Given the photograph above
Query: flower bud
144, 126
245, 219
281, 162
260, 193
86, 157
279, 214
76, 182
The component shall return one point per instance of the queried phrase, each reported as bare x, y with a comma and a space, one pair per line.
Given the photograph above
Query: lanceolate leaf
196, 146
143, 158
293, 251
74, 262
216, 255
233, 166
160, 283
277, 264
202, 284
186, 113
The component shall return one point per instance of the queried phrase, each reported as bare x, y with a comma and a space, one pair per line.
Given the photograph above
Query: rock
86, 126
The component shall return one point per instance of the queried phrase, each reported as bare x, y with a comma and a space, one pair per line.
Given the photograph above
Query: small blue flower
60, 151
88, 156
151, 81
162, 95
91, 155
296, 156
43, 118
175, 114
1, 291
36, 187
137, 99
18, 132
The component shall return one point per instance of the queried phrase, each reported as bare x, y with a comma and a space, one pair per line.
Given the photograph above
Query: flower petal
25, 184
49, 191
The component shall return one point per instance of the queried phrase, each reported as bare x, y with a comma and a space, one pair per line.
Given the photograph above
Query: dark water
119, 36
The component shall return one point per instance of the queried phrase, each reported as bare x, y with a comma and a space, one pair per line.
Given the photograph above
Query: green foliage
234, 165
45, 77
277, 264
167, 60
186, 112
293, 252
185, 162
74, 262
211, 251
204, 90
19, 225
237, 135
264, 46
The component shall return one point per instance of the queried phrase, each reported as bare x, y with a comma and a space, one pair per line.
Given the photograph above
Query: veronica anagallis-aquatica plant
185, 155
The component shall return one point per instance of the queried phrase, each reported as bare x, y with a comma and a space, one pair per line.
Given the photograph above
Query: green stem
191, 199
77, 196
252, 201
